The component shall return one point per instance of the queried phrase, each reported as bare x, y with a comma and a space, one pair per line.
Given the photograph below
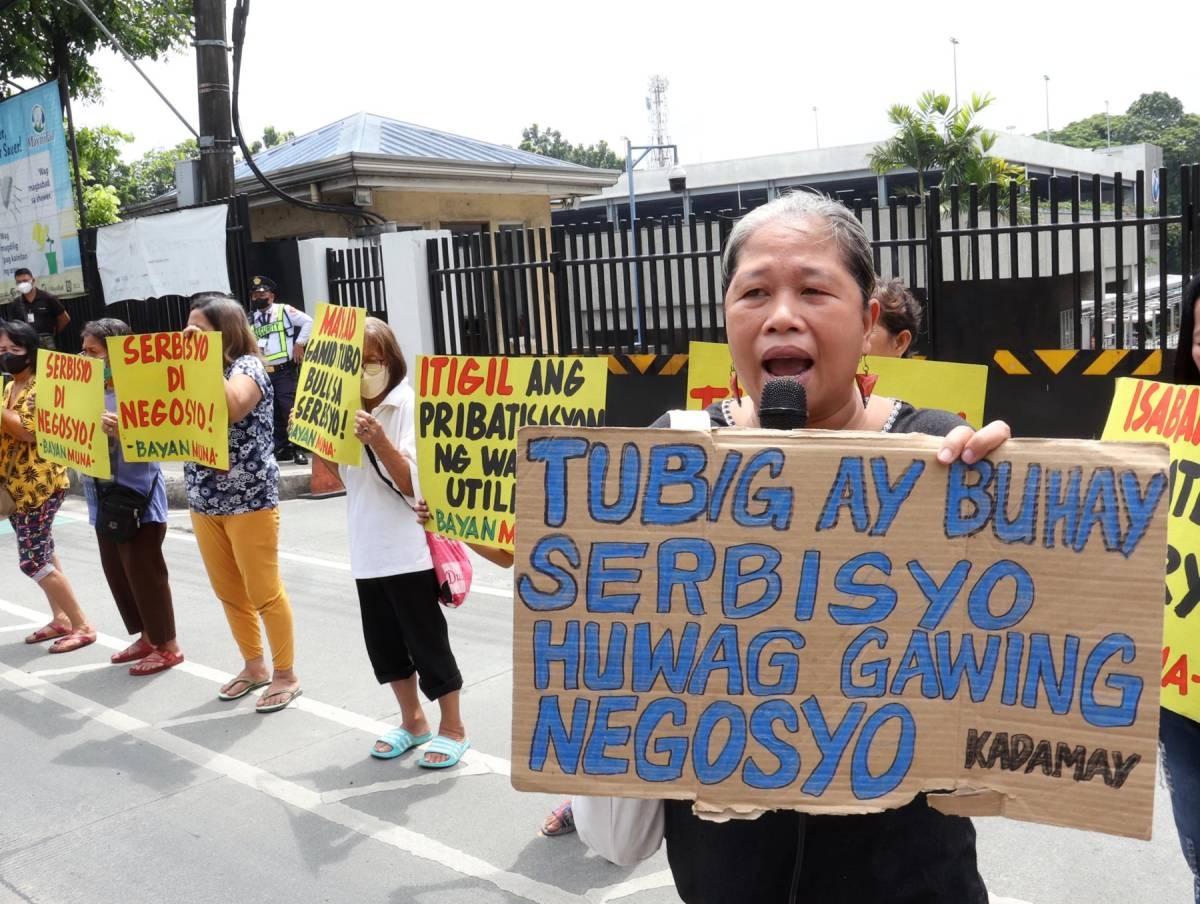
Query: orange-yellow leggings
241, 556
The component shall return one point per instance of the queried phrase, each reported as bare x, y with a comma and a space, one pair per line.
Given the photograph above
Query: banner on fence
170, 391
469, 410
70, 403
958, 388
1146, 411
329, 390
756, 620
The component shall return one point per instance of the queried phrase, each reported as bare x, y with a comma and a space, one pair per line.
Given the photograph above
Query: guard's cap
262, 282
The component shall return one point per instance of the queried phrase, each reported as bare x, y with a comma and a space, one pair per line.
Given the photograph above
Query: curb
295, 482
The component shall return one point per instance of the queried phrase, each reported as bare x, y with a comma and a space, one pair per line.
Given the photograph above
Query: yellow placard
469, 410
1147, 411
170, 391
329, 391
957, 388
70, 402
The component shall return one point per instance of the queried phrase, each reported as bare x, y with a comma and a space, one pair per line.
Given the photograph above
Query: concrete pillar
406, 274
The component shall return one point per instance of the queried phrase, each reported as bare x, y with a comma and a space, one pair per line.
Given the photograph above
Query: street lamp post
1047, 78
816, 127
1107, 127
954, 51
630, 163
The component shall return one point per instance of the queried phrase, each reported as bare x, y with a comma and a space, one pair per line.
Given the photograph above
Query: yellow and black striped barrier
1058, 362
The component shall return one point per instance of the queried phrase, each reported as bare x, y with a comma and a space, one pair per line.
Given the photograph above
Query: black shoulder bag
119, 509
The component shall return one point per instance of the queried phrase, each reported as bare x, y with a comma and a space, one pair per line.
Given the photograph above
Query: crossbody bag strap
378, 470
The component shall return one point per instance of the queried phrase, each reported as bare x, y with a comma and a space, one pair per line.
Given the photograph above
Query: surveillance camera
677, 179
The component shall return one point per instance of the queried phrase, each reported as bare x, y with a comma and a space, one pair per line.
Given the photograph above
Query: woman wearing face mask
235, 514
407, 638
37, 487
135, 569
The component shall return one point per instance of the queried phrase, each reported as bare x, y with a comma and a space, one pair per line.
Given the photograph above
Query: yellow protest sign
70, 402
1147, 411
957, 388
709, 374
760, 620
170, 391
469, 410
329, 390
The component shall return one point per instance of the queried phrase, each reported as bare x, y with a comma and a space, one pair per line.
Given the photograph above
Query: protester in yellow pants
235, 514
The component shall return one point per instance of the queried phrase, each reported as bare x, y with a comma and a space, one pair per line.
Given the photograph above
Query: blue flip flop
450, 748
401, 740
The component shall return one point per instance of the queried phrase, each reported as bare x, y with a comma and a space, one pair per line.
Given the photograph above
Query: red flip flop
48, 632
72, 642
158, 661
139, 649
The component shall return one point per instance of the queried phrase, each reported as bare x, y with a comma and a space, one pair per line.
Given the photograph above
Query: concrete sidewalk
295, 481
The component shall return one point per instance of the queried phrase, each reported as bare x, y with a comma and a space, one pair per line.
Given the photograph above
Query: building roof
372, 135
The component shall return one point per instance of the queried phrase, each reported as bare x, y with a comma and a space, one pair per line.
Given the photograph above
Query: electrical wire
241, 12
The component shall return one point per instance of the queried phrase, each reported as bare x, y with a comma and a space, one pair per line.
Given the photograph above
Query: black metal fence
355, 278
1055, 273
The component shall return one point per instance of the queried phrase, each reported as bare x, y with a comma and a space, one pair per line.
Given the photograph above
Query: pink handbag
452, 567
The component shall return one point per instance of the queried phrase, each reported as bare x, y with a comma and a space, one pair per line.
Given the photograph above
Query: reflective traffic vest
275, 332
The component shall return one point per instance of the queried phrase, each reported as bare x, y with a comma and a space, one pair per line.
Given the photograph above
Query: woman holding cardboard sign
131, 555
408, 641
799, 313
235, 513
34, 490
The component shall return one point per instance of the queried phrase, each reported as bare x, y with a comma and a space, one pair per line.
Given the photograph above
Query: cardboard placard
71, 401
329, 390
958, 388
171, 397
1147, 411
761, 620
469, 410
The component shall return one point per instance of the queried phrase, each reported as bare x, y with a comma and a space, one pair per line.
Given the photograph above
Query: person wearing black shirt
41, 310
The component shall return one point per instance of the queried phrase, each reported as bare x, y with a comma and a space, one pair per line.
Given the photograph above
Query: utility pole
212, 75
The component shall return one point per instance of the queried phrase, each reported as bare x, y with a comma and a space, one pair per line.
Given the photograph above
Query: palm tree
918, 142
939, 135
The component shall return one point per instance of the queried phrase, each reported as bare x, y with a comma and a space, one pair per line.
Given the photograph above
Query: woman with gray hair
134, 568
799, 282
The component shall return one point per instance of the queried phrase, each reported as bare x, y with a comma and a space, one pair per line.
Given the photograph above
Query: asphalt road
122, 789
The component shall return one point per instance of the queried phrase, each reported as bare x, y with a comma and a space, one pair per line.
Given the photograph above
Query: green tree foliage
270, 138
937, 135
101, 170
550, 143
153, 173
1154, 118
35, 35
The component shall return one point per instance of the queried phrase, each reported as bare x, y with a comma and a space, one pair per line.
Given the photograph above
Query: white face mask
374, 380
24, 287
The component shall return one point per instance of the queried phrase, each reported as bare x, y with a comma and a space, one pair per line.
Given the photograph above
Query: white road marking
661, 879
335, 565
329, 713
21, 627
72, 669
425, 777
296, 795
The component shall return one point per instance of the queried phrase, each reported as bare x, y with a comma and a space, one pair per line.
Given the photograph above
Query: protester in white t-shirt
405, 631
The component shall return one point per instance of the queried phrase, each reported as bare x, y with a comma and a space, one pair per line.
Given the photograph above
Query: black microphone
784, 404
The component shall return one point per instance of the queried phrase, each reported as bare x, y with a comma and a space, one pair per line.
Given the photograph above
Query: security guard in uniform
282, 332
